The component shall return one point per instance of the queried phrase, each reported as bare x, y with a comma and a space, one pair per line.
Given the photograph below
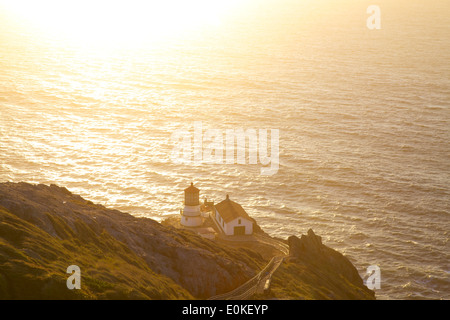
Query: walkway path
257, 284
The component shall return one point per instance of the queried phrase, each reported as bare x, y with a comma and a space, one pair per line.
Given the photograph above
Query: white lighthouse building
190, 214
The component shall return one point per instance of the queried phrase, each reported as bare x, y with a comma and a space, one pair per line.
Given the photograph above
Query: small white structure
232, 219
190, 214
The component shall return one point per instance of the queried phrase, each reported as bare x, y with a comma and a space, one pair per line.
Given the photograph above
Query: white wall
228, 228
191, 221
191, 216
191, 211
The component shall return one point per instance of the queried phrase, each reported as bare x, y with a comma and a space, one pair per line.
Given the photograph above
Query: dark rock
69, 217
332, 265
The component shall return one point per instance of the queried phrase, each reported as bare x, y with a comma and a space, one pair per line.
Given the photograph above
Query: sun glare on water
119, 21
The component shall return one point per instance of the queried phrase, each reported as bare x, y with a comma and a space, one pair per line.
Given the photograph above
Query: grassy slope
46, 229
33, 265
295, 280
315, 271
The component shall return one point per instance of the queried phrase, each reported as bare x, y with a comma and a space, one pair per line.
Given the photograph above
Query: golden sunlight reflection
119, 21
116, 100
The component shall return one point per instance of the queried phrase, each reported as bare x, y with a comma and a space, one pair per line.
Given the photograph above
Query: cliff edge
44, 229
315, 271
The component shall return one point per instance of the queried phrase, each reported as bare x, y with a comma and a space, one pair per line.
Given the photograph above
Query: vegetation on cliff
314, 271
45, 229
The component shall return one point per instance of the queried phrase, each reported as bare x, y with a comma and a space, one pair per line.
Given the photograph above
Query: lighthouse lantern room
190, 214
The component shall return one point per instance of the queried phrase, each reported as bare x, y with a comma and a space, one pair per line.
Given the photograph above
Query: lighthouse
191, 215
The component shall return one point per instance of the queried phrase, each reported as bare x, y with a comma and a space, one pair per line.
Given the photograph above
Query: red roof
230, 210
191, 189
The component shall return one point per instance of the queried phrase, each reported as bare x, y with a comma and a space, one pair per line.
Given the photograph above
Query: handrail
250, 287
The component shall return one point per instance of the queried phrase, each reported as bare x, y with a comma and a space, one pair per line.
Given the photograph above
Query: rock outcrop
322, 273
71, 230
44, 229
310, 248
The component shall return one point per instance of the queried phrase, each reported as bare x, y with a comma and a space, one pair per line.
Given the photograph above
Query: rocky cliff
44, 229
315, 271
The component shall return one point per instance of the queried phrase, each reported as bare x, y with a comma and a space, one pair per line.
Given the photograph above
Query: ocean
363, 118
